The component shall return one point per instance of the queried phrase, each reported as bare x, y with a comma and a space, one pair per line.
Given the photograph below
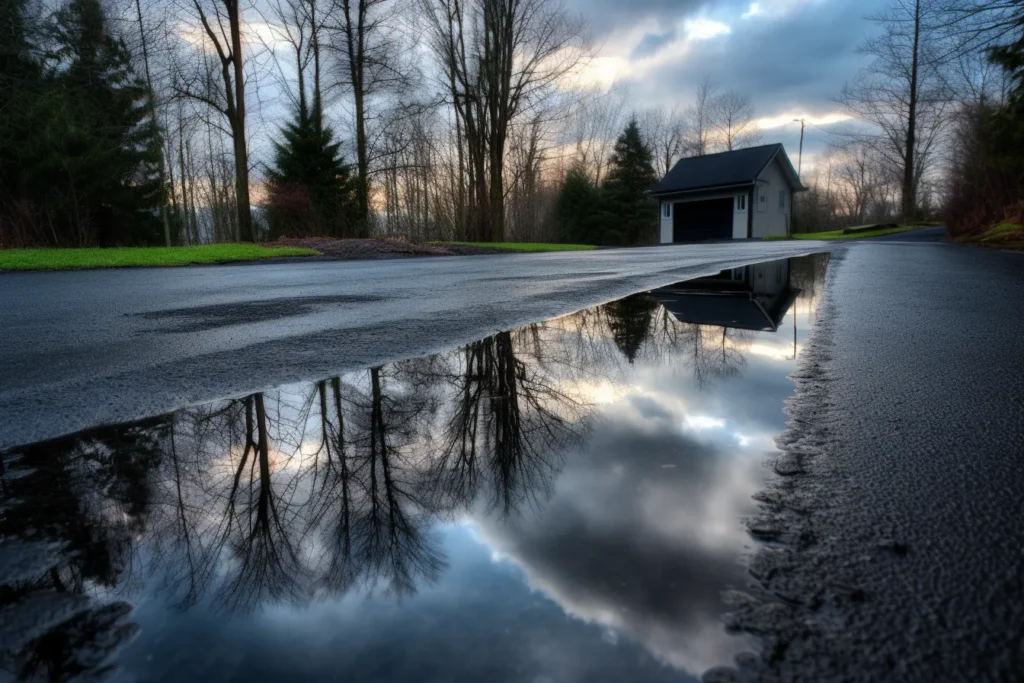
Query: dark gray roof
738, 167
735, 310
742, 312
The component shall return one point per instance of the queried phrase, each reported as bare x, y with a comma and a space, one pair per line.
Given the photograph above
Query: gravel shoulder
891, 538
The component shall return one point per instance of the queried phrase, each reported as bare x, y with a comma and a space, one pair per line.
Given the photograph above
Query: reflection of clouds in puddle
773, 351
636, 547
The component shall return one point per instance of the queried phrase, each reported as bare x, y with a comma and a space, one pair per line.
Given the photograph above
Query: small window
782, 200
741, 202
762, 201
666, 210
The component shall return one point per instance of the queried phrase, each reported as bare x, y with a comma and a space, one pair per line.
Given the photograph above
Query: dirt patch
381, 248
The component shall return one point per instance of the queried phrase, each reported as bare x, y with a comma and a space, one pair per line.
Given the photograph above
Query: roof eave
705, 188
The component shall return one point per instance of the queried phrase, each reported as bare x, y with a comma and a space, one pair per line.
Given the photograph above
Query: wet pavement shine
565, 501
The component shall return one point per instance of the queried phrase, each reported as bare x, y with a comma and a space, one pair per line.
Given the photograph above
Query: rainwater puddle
560, 502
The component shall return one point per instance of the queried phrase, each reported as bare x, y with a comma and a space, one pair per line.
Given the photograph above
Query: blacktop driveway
95, 347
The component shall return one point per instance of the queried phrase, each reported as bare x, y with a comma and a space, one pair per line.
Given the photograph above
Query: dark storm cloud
804, 57
651, 43
795, 62
605, 16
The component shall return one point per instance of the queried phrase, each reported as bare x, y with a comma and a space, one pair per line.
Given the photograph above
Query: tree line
196, 121
937, 122
160, 122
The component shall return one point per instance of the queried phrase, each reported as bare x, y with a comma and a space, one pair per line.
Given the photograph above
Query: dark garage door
710, 219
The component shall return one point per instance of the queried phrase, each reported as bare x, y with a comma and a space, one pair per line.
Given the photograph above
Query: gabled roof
728, 309
726, 169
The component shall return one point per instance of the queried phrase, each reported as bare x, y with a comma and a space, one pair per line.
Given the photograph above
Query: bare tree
151, 102
664, 131
700, 118
902, 95
859, 177
733, 121
500, 58
300, 24
594, 123
366, 41
222, 25
978, 25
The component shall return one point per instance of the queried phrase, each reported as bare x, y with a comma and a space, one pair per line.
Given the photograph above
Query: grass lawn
66, 259
841, 235
526, 246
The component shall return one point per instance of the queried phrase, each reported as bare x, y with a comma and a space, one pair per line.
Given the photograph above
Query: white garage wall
666, 223
739, 218
769, 219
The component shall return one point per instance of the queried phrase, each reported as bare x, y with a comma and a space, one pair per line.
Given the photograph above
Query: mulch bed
380, 248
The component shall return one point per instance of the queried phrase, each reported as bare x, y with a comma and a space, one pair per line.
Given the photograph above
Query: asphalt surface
891, 539
97, 347
922, 235
895, 529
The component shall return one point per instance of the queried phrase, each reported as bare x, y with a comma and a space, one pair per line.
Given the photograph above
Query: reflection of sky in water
602, 562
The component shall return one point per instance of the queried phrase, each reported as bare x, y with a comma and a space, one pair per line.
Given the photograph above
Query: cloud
643, 545
609, 16
651, 43
785, 119
704, 29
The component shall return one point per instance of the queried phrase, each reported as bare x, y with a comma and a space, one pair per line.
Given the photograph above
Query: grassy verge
1002, 236
526, 246
843, 234
66, 259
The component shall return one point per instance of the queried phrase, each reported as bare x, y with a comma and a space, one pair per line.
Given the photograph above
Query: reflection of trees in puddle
509, 426
293, 494
644, 330
71, 509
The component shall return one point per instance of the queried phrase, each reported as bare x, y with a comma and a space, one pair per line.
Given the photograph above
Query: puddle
561, 502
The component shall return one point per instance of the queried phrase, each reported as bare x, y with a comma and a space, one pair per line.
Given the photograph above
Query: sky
790, 56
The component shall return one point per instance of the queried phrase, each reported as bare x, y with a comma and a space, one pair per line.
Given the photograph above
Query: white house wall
739, 217
666, 223
769, 218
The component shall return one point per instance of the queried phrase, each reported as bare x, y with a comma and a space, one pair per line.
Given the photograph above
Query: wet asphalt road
922, 235
896, 527
895, 524
97, 347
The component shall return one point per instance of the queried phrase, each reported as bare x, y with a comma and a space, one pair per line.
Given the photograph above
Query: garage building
745, 193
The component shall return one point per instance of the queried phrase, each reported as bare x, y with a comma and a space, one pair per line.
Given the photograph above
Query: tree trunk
909, 194
355, 45
245, 228
151, 102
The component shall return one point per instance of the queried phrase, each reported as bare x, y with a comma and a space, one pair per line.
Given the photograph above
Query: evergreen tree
19, 74
629, 321
578, 209
633, 213
87, 168
311, 191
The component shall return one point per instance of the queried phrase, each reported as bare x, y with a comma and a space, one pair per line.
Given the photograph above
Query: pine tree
19, 74
629, 321
634, 214
578, 209
311, 191
89, 165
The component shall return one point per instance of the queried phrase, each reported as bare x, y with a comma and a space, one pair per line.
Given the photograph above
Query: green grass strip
67, 259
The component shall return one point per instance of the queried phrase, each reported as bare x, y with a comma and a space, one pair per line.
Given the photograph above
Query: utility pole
800, 157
